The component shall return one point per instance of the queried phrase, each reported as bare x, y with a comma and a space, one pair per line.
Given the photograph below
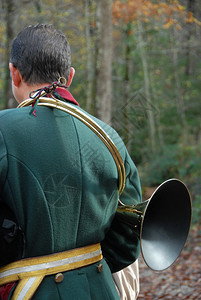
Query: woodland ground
180, 281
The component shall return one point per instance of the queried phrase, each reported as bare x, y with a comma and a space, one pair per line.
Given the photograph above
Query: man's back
61, 182
58, 172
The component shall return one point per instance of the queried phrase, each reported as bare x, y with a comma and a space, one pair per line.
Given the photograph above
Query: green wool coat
61, 182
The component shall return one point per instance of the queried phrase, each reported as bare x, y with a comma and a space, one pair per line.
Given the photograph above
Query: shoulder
111, 132
12, 119
6, 112
6, 117
11, 113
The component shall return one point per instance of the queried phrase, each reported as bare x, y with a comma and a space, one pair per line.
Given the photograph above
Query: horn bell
163, 222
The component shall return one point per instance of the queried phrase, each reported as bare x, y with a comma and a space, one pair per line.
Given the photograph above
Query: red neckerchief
66, 95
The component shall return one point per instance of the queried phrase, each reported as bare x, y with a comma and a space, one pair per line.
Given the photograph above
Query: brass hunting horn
163, 222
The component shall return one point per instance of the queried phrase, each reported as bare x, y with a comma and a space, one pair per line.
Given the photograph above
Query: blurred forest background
138, 68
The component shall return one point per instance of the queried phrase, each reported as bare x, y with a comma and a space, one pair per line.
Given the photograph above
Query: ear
70, 77
16, 76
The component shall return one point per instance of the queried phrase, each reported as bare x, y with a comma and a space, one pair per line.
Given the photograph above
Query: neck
26, 89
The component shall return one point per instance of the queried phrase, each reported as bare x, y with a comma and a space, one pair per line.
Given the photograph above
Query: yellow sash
31, 271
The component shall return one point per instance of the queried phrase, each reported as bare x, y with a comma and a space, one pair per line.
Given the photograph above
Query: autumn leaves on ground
180, 281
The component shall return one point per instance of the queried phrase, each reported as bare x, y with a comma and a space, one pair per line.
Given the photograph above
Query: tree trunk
147, 88
179, 97
103, 90
10, 7
157, 118
89, 58
127, 125
190, 28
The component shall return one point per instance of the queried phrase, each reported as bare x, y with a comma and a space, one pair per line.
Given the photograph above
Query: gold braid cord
66, 107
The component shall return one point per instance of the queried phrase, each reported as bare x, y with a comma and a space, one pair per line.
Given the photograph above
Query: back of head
41, 54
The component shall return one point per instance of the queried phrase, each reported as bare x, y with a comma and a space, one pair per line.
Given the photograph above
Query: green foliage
177, 160
160, 167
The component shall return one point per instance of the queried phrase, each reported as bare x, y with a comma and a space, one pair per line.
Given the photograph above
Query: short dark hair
41, 54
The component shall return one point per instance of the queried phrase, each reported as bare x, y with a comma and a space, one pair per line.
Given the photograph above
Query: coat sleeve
121, 245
